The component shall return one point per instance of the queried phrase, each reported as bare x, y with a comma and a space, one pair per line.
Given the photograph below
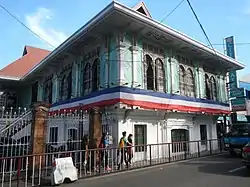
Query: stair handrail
15, 121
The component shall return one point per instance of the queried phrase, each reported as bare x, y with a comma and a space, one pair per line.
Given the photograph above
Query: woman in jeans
104, 152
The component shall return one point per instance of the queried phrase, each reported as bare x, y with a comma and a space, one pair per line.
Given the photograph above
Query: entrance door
34, 92
140, 137
203, 134
179, 138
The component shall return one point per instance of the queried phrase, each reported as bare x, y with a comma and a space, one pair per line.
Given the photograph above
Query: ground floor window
53, 135
179, 139
140, 137
72, 134
203, 134
72, 143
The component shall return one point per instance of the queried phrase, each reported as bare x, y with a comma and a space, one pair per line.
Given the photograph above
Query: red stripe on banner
143, 104
181, 108
85, 107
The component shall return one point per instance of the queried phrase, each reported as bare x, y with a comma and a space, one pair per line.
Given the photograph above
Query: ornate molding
155, 35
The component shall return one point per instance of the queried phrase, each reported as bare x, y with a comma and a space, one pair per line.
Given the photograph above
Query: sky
56, 20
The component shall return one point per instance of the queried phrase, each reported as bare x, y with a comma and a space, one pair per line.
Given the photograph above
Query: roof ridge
37, 48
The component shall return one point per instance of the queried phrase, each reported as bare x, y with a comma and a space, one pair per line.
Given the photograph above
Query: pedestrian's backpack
122, 142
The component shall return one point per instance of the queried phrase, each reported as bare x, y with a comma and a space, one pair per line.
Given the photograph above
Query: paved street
206, 172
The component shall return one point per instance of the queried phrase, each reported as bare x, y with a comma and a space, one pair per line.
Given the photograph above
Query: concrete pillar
95, 127
38, 135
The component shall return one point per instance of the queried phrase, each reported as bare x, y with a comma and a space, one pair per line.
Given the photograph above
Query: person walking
104, 152
122, 150
130, 148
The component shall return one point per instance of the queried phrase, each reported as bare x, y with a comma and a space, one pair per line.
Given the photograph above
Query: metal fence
15, 130
64, 131
35, 170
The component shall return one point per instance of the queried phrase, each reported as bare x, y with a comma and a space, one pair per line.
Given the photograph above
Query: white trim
9, 78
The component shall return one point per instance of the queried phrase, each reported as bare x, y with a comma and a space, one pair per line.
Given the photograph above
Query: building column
201, 83
106, 69
197, 81
135, 62
75, 82
120, 56
121, 64
224, 89
219, 89
55, 88
167, 72
95, 127
174, 68
40, 91
38, 135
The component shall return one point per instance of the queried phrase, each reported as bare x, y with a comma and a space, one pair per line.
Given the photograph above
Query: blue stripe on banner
140, 92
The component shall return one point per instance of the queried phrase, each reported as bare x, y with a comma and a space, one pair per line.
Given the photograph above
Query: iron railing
35, 170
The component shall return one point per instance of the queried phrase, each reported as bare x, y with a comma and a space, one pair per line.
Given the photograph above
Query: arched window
179, 138
95, 75
190, 83
64, 88
207, 87
213, 88
148, 73
48, 91
159, 75
87, 78
182, 80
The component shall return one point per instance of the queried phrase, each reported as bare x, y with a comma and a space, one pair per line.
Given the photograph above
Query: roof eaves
176, 34
4, 77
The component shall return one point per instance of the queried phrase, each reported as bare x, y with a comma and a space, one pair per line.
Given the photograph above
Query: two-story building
145, 77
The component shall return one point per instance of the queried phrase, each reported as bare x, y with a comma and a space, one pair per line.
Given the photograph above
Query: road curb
146, 168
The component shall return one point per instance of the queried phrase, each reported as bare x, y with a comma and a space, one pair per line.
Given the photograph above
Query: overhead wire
165, 17
24, 25
202, 28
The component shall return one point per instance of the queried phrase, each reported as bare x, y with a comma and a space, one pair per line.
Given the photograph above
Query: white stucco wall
63, 125
159, 130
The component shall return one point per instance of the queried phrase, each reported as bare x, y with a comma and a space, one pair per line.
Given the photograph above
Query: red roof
31, 57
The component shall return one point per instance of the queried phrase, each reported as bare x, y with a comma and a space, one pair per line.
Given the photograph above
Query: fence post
185, 153
95, 133
198, 146
169, 153
95, 127
150, 155
18, 171
210, 147
38, 135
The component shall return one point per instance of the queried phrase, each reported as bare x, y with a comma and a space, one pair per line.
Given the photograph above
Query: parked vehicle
237, 138
246, 155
